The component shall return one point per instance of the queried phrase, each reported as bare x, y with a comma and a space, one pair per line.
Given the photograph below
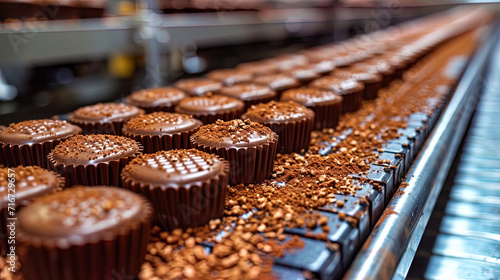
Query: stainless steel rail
391, 246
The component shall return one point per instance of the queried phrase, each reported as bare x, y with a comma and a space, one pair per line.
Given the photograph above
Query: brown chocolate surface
235, 133
278, 112
248, 91
30, 182
156, 97
37, 131
105, 112
304, 72
198, 86
93, 149
338, 85
277, 81
309, 96
211, 103
160, 123
174, 168
230, 76
79, 214
358, 75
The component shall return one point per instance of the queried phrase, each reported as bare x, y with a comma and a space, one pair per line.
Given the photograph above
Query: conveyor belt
462, 240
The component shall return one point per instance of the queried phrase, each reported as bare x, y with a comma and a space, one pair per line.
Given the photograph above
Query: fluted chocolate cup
162, 131
31, 182
249, 147
211, 108
187, 187
278, 82
326, 104
378, 66
291, 121
92, 160
84, 233
350, 90
29, 142
250, 93
372, 81
104, 118
156, 99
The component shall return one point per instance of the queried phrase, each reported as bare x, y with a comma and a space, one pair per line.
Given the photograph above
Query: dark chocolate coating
37, 131
160, 123
187, 187
93, 149
166, 97
105, 112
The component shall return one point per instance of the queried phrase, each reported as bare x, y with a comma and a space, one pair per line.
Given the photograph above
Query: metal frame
391, 246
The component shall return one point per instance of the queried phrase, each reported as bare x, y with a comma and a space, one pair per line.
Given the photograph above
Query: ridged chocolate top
105, 112
248, 91
234, 133
159, 123
230, 76
153, 97
338, 85
82, 214
210, 103
309, 96
277, 81
93, 149
198, 86
174, 168
30, 182
278, 112
37, 131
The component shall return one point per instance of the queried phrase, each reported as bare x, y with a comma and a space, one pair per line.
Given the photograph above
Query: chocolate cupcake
210, 108
156, 99
326, 104
291, 121
249, 147
187, 187
104, 118
304, 74
92, 160
84, 233
372, 81
351, 91
22, 184
278, 82
162, 131
230, 76
198, 86
250, 93
29, 142
323, 67
378, 66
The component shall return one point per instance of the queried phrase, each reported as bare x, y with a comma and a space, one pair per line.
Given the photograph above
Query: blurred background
56, 56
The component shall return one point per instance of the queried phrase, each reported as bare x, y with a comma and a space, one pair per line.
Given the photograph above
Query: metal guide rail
462, 238
391, 246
